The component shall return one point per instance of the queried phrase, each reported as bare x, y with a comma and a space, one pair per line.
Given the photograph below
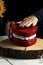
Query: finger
34, 23
7, 28
25, 21
22, 23
25, 24
19, 22
7, 33
29, 24
13, 22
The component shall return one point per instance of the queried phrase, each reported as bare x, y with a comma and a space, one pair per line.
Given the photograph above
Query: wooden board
8, 44
37, 46
8, 49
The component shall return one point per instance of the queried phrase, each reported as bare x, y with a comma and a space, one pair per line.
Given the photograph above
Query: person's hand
28, 21
8, 28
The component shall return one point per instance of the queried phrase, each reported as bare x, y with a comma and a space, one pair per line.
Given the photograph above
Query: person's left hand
8, 29
28, 21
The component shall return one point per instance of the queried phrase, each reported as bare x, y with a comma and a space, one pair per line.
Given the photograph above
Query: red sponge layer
23, 42
24, 31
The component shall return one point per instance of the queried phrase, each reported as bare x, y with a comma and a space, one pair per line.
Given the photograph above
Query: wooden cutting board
8, 44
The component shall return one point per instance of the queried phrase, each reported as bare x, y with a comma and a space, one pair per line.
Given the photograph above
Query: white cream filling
24, 38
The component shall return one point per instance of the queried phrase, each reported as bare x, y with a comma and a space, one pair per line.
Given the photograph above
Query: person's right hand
8, 28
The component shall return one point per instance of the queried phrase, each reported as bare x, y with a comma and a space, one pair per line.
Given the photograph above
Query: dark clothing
16, 10
19, 9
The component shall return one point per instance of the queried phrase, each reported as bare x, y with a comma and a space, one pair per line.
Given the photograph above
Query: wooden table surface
7, 44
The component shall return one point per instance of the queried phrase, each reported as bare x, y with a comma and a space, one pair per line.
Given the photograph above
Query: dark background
16, 10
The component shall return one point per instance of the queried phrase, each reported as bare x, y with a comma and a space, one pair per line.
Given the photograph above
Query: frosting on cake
23, 38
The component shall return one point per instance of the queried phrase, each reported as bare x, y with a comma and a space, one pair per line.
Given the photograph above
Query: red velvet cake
24, 36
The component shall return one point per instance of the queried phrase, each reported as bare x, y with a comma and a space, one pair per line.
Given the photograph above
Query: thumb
7, 29
13, 22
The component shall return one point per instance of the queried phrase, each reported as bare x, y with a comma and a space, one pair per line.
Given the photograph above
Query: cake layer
23, 42
26, 31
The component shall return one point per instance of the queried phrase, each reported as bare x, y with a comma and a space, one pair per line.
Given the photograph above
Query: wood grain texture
8, 49
37, 46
